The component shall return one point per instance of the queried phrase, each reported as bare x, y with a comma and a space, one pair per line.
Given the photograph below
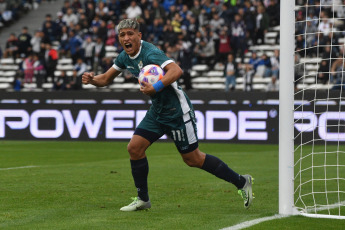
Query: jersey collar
141, 44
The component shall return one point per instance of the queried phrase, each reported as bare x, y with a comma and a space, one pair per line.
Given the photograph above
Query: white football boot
136, 205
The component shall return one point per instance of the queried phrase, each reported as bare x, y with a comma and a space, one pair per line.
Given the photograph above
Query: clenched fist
87, 77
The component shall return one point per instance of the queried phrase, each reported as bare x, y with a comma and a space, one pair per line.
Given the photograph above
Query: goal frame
286, 108
286, 113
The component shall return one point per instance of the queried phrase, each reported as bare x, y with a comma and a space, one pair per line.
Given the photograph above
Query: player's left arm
172, 73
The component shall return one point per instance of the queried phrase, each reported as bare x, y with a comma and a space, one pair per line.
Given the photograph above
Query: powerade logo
120, 124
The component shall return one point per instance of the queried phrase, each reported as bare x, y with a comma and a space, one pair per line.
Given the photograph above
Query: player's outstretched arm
100, 80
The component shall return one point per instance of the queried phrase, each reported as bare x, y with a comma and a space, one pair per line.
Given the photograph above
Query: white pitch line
21, 167
250, 223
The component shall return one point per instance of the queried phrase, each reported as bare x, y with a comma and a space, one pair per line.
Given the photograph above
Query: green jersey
167, 104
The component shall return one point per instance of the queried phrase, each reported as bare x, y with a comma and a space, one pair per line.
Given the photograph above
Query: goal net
319, 108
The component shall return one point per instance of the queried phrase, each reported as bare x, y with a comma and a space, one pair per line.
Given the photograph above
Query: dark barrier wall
232, 118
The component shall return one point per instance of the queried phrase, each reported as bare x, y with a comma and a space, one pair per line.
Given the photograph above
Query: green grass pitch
82, 185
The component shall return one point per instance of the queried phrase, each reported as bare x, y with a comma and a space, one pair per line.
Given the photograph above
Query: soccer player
171, 113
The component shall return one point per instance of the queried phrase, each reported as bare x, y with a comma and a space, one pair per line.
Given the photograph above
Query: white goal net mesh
319, 181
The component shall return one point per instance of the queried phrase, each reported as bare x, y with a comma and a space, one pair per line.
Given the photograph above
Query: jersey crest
140, 65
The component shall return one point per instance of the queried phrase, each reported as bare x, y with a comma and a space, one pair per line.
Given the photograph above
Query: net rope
319, 181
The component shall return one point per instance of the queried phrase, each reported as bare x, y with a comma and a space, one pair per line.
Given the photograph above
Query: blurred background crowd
214, 33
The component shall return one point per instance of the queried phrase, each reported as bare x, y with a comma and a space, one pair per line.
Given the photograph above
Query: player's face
130, 41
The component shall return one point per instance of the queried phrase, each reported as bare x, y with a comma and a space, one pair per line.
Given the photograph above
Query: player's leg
184, 134
145, 134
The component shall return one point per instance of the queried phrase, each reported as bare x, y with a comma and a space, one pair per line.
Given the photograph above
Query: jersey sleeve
119, 62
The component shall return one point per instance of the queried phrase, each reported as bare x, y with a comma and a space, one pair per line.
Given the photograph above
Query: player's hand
147, 89
87, 78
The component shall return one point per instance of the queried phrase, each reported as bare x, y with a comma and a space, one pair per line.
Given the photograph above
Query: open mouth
128, 45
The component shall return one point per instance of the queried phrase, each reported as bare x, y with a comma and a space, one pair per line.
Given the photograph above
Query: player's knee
194, 159
135, 151
193, 162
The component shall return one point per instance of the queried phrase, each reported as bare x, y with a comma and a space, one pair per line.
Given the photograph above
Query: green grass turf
82, 185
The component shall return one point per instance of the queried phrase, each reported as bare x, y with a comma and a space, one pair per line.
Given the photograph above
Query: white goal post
312, 108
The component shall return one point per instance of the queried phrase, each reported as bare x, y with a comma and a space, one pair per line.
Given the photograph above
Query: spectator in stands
300, 43
196, 9
50, 61
36, 42
227, 14
17, 83
62, 82
184, 60
156, 31
248, 16
99, 54
169, 35
11, 47
102, 31
311, 32
323, 72
337, 69
262, 24
238, 37
273, 11
52, 25
230, 73
66, 5
114, 9
59, 23
5, 13
168, 3
111, 34
28, 67
101, 7
73, 47
266, 61
176, 23
254, 61
325, 25
224, 47
205, 52
89, 51
76, 5
24, 45
203, 18
216, 23
50, 31
70, 17
248, 78
192, 28
133, 11
39, 70
158, 11
90, 12
79, 68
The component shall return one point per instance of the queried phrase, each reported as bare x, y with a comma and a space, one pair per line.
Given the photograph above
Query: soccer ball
151, 74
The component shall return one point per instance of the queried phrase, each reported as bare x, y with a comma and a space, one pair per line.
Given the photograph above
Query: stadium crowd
207, 32
318, 30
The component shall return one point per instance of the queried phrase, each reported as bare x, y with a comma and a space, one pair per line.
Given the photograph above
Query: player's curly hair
128, 23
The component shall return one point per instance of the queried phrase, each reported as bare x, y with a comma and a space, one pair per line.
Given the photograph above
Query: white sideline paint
21, 167
250, 223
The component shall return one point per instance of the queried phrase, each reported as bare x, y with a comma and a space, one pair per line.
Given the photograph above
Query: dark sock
140, 170
221, 170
